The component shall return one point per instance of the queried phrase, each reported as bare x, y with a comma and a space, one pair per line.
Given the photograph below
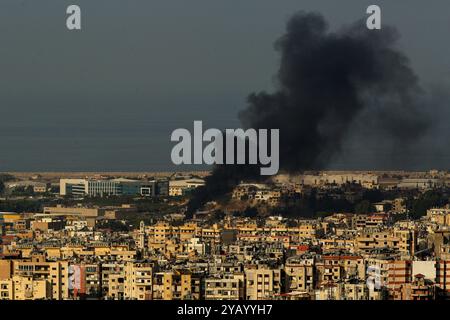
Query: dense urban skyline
316, 236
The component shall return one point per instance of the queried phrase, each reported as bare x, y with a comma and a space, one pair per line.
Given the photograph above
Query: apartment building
377, 268
212, 234
108, 271
443, 279
159, 233
402, 240
225, 287
93, 279
225, 268
334, 267
31, 288
116, 287
399, 274
300, 275
439, 241
355, 291
408, 241
176, 285
138, 281
56, 274
419, 289
263, 282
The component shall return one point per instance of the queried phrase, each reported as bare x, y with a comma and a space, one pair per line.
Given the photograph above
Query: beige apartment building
212, 234
262, 283
335, 267
163, 231
419, 289
408, 241
56, 274
31, 280
342, 291
159, 233
334, 244
355, 291
299, 275
176, 285
32, 288
112, 275
225, 287
403, 240
187, 231
116, 287
439, 215
138, 281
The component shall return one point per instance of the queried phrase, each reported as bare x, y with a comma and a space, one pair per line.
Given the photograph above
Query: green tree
427, 201
4, 177
250, 212
364, 207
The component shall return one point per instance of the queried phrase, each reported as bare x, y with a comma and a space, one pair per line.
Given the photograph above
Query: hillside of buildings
316, 236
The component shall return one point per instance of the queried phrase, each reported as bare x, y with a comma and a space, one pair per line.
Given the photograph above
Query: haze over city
108, 97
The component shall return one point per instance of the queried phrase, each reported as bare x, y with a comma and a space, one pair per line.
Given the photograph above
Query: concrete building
300, 275
180, 187
262, 283
176, 285
112, 187
225, 287
138, 281
55, 274
31, 288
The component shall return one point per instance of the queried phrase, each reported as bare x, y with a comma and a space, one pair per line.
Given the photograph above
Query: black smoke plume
326, 82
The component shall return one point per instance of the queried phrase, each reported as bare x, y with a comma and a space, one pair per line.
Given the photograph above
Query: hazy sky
107, 97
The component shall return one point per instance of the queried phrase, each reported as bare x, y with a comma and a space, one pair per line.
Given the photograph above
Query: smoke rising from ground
331, 87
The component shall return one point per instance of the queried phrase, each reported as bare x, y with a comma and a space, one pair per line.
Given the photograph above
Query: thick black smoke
326, 82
